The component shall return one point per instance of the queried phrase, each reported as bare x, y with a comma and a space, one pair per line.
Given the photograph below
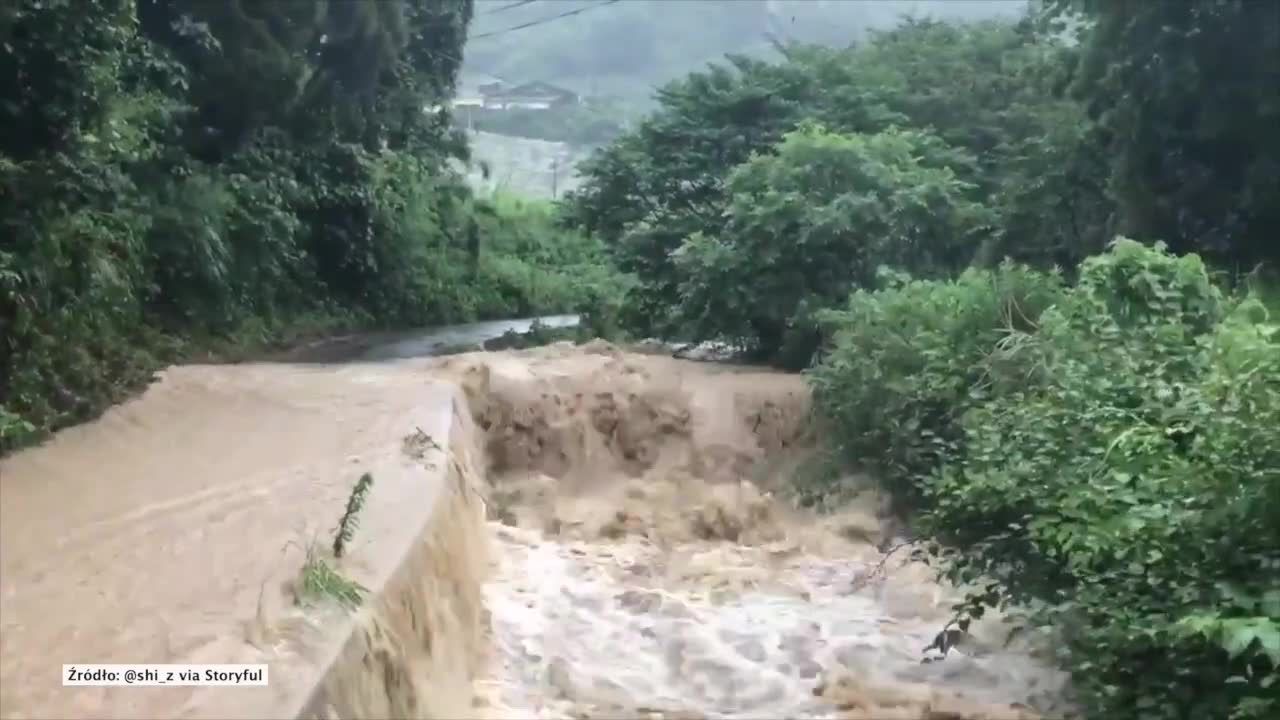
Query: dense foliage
824, 211
1106, 455
1188, 96
906, 359
179, 172
1089, 428
981, 102
1061, 141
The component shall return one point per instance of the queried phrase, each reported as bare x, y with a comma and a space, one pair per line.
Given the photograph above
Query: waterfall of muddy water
640, 564
644, 570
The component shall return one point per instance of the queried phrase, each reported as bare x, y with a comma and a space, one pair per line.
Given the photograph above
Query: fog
625, 48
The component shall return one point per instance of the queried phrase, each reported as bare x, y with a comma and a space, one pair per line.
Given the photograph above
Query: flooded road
645, 560
150, 533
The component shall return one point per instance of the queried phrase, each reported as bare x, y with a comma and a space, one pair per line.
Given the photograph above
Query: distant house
473, 87
531, 96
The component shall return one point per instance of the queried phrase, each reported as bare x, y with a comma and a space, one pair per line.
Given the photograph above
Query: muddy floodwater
643, 558
649, 564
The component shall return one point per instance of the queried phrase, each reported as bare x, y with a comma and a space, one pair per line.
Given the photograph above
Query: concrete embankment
416, 649
174, 529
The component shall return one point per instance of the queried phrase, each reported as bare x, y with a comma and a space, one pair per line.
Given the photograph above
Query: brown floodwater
646, 561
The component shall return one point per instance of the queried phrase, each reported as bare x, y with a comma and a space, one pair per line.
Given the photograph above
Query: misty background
624, 49
615, 54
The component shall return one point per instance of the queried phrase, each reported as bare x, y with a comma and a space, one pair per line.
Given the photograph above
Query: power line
508, 6
542, 21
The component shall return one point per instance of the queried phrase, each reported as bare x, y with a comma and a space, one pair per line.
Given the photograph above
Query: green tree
666, 181
1188, 94
810, 222
992, 91
61, 67
178, 174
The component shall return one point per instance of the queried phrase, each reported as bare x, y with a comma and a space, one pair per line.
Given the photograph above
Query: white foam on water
615, 630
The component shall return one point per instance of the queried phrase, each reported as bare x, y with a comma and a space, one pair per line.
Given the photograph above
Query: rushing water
672, 586
708, 600
150, 533
603, 630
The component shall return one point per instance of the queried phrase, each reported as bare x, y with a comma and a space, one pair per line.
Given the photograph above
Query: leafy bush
1112, 466
693, 201
13, 429
906, 361
809, 222
540, 267
1135, 491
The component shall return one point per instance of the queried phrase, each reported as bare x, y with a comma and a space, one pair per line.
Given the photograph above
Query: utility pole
555, 175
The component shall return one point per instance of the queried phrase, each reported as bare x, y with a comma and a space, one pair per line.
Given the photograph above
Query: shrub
1133, 491
807, 224
906, 360
1113, 466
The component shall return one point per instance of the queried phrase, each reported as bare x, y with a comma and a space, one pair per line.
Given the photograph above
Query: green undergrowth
1104, 454
66, 368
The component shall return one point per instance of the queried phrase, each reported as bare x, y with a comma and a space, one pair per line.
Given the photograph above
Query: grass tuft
320, 581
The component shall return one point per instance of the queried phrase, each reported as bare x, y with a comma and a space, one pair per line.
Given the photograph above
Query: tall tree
1189, 96
59, 68
314, 67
